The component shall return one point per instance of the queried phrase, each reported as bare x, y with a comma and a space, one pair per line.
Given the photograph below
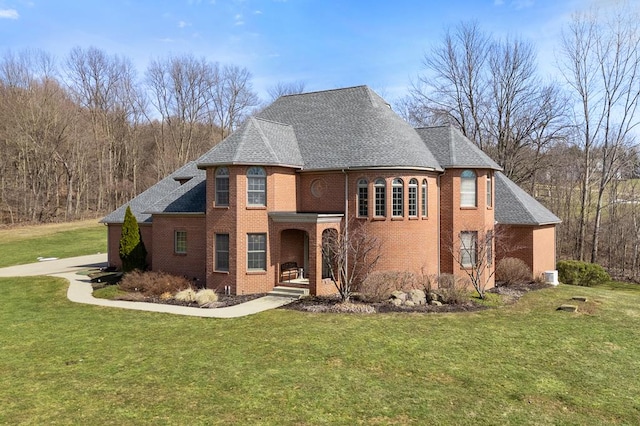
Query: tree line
570, 140
82, 135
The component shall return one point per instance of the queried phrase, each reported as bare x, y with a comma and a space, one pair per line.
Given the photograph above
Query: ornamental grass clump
187, 295
206, 296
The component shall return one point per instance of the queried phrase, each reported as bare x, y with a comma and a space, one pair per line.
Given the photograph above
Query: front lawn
526, 363
24, 244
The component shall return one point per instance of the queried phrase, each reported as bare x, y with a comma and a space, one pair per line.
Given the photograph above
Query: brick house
251, 213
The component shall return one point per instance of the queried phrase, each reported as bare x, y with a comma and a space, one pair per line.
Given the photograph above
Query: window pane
489, 191
222, 252
256, 186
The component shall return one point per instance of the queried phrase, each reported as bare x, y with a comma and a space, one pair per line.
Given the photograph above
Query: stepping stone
579, 298
568, 308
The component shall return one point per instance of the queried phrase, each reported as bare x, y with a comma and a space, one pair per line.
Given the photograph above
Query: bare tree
600, 60
474, 253
232, 96
349, 256
282, 89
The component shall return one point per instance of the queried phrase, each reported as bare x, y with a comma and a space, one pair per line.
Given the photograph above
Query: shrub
205, 296
585, 274
379, 285
512, 271
153, 283
187, 295
454, 290
131, 248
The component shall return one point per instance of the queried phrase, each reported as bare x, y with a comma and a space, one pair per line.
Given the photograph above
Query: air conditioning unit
551, 277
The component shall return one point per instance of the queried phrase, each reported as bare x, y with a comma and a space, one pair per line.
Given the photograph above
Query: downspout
439, 213
346, 218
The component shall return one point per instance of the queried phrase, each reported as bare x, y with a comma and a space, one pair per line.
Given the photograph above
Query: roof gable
187, 198
454, 150
514, 206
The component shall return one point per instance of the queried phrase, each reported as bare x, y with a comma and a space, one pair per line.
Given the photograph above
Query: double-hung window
257, 252
489, 190
468, 188
222, 187
256, 186
222, 252
468, 248
180, 242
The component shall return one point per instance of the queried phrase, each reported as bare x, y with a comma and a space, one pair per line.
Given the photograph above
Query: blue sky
325, 43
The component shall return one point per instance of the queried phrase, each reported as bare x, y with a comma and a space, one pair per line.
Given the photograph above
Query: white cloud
183, 24
523, 4
257, 12
238, 19
9, 14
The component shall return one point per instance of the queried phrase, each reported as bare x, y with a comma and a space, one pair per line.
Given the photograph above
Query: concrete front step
284, 291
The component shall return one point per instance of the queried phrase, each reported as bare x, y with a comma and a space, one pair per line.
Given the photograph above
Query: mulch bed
332, 304
223, 301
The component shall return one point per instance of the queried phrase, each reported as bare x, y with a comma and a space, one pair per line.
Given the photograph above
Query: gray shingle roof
143, 202
191, 197
349, 128
257, 141
453, 150
515, 207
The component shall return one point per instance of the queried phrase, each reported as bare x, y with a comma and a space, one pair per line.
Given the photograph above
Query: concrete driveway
80, 290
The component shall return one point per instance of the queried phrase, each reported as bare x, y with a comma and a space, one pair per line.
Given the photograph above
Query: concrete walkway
80, 290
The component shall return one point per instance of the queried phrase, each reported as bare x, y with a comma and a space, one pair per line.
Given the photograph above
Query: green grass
526, 363
23, 245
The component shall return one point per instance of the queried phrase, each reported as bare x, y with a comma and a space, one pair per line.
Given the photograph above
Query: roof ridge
265, 139
242, 140
325, 91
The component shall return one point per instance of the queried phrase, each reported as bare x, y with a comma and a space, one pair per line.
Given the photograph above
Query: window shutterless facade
413, 198
256, 186
222, 187
180, 242
425, 211
222, 252
397, 200
468, 188
363, 198
381, 198
257, 252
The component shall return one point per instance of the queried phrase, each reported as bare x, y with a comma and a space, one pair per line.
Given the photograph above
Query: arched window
413, 198
363, 198
397, 201
256, 186
222, 187
381, 197
468, 189
425, 199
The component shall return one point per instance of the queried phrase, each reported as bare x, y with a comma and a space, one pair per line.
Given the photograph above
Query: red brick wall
190, 264
456, 219
535, 245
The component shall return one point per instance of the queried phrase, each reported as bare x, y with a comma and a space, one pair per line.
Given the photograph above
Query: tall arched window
381, 198
363, 198
256, 186
425, 198
413, 198
468, 188
397, 200
222, 187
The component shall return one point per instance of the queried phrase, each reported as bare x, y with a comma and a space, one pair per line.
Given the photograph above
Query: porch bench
288, 271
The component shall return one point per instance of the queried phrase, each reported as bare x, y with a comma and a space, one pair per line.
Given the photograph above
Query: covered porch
296, 251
